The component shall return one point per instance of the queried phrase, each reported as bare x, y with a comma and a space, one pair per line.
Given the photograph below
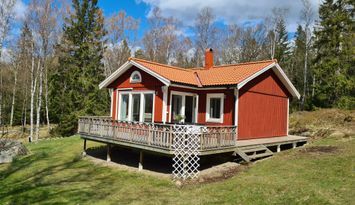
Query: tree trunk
46, 98
313, 84
33, 91
1, 89
39, 100
24, 111
13, 99
305, 75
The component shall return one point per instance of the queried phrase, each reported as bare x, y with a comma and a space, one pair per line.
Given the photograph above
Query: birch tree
122, 31
307, 19
44, 17
161, 40
206, 32
15, 66
6, 15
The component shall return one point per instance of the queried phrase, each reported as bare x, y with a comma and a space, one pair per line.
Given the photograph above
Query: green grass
55, 173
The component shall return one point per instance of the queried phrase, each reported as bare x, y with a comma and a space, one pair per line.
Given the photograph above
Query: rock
10, 149
305, 134
337, 134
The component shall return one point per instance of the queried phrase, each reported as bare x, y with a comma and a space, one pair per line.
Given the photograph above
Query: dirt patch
216, 174
320, 149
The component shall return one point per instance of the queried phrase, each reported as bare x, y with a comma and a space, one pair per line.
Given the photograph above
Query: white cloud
231, 11
5, 55
20, 10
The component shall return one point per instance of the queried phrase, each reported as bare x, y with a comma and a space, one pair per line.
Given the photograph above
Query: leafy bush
346, 102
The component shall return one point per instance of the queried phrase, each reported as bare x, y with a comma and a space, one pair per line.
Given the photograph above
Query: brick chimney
208, 58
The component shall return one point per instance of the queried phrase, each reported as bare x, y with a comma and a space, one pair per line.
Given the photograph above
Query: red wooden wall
263, 108
228, 113
148, 83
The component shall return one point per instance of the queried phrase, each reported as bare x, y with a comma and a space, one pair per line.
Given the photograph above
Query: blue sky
138, 10
240, 12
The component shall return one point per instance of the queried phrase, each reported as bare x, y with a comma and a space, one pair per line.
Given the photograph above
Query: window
183, 107
177, 108
136, 77
136, 106
124, 107
148, 108
214, 109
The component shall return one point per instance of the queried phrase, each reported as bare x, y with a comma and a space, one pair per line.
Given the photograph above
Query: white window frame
208, 115
141, 109
131, 80
183, 94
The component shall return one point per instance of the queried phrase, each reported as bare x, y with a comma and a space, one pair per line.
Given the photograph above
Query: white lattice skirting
186, 146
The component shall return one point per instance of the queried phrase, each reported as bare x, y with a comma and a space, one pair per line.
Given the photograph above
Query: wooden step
253, 152
258, 156
255, 149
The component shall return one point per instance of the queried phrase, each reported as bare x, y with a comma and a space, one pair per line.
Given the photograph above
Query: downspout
236, 106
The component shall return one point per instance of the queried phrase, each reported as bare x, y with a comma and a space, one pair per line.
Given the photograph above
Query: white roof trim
280, 74
124, 68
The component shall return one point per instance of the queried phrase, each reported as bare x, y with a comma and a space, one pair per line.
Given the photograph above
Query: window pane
136, 77
215, 108
124, 107
148, 107
176, 107
136, 101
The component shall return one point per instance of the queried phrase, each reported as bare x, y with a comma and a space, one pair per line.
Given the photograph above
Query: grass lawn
55, 173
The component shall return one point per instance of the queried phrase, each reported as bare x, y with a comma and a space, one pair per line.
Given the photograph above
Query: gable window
136, 77
214, 109
136, 106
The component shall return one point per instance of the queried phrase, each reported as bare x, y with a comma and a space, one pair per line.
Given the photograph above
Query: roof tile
215, 76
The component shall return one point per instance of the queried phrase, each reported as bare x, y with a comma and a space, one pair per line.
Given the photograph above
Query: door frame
183, 95
141, 92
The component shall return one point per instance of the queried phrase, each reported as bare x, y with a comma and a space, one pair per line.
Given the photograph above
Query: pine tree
298, 54
334, 62
75, 84
281, 47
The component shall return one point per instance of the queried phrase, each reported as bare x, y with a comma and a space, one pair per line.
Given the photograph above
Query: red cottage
233, 107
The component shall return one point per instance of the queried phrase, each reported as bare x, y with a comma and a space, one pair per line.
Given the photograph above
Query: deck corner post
140, 164
84, 148
294, 145
108, 157
278, 148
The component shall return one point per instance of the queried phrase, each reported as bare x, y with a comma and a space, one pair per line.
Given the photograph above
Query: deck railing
156, 134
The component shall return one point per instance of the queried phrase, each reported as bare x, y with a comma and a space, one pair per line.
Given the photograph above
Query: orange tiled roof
217, 75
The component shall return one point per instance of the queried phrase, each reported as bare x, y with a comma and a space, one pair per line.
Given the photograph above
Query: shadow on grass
39, 178
152, 162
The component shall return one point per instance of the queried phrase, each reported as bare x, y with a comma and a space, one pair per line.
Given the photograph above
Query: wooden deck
159, 138
272, 141
155, 137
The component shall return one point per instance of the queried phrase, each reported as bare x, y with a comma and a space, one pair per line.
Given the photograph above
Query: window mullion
130, 104
141, 107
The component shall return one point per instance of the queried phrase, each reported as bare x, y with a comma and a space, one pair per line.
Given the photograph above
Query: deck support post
294, 145
84, 149
108, 156
278, 148
140, 164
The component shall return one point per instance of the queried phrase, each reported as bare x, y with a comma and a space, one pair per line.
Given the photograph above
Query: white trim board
208, 97
141, 109
183, 94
